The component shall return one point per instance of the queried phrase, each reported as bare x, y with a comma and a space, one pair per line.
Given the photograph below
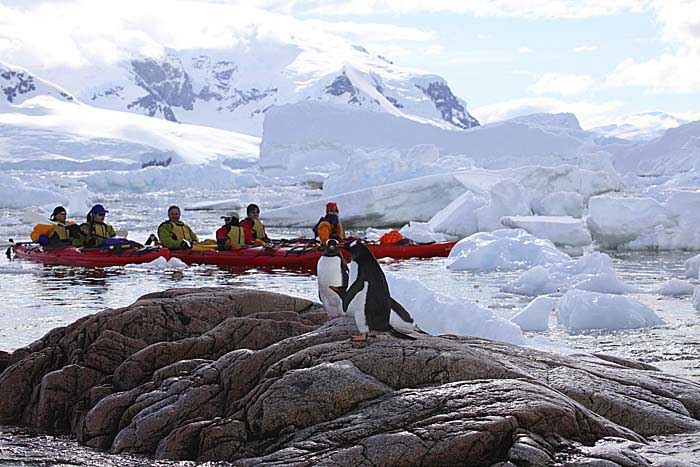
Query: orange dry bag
41, 229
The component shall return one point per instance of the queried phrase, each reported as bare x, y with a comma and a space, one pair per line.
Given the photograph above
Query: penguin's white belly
357, 308
329, 270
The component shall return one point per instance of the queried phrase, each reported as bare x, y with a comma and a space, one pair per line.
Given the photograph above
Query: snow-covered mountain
642, 126
42, 126
17, 85
232, 88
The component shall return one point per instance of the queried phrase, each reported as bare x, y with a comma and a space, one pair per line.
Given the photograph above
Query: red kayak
303, 255
90, 257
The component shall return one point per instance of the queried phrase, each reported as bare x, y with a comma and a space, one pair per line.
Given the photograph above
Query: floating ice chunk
459, 217
692, 267
535, 316
581, 310
560, 230
508, 198
503, 250
696, 298
559, 203
421, 232
593, 272
676, 288
437, 313
160, 264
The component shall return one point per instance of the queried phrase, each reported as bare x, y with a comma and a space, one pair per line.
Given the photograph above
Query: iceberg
455, 316
646, 223
675, 288
503, 250
581, 310
559, 203
535, 316
381, 206
592, 272
563, 231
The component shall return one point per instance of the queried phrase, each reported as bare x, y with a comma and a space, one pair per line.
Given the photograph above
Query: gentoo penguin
368, 297
332, 271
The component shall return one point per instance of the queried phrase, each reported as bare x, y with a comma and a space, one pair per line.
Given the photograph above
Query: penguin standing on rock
368, 297
332, 271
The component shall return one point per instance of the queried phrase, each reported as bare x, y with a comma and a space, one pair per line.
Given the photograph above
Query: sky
599, 59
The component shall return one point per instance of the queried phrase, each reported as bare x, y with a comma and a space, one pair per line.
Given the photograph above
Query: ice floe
438, 313
535, 316
581, 310
503, 250
592, 272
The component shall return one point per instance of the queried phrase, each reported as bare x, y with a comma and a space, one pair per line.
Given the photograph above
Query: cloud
524, 50
547, 9
677, 69
103, 33
589, 114
564, 85
585, 48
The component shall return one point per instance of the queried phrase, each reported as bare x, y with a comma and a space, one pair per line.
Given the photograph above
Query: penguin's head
332, 248
358, 250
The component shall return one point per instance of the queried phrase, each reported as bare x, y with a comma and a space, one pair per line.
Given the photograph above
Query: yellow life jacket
180, 230
41, 229
61, 231
259, 230
236, 236
95, 233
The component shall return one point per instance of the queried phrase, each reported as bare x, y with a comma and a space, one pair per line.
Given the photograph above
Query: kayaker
94, 232
58, 234
230, 236
253, 229
329, 226
175, 234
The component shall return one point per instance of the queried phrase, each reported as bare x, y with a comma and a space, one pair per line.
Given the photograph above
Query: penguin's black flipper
401, 311
400, 334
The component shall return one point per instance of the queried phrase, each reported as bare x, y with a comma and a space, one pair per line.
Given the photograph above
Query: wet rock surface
257, 378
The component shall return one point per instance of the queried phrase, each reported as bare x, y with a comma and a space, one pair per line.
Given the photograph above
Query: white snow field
535, 316
438, 313
592, 272
44, 132
581, 310
503, 250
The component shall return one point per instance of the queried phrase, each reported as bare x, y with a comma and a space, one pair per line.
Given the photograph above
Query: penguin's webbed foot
360, 338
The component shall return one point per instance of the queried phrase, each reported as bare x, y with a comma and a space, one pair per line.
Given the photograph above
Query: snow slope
45, 132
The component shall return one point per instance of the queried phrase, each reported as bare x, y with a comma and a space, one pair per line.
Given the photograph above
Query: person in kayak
175, 234
230, 236
253, 229
94, 232
58, 234
329, 226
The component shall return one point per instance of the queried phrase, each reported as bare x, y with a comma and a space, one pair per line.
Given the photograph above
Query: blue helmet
98, 209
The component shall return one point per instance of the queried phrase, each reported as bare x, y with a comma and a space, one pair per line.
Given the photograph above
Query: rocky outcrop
261, 379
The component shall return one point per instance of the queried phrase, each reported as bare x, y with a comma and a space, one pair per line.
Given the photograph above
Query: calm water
36, 298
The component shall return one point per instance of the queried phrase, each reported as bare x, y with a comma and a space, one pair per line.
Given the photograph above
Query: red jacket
247, 226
